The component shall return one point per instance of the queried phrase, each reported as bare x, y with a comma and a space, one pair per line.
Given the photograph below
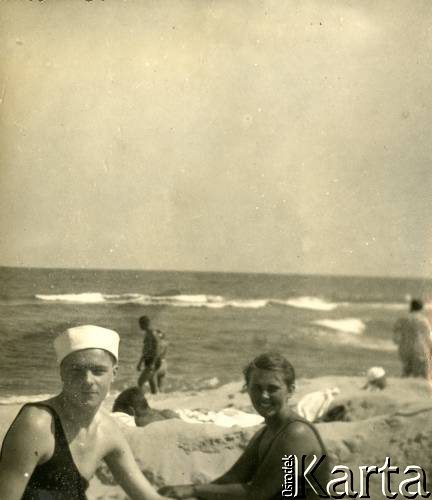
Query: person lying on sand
53, 447
153, 360
258, 474
133, 402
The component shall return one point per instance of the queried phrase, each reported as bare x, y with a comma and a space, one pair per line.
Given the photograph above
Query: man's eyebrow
90, 365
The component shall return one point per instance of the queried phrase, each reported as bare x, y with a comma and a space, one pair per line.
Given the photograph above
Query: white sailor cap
86, 337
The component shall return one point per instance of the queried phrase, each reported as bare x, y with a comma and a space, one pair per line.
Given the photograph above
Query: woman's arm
263, 481
233, 484
208, 491
242, 471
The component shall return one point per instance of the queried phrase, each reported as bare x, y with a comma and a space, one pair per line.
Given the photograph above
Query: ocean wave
182, 300
314, 303
211, 301
391, 306
347, 325
91, 298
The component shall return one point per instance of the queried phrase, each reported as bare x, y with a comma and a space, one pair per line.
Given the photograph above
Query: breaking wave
211, 301
347, 325
198, 300
313, 303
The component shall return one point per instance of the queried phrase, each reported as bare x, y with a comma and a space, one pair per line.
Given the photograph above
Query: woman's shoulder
297, 425
294, 424
299, 432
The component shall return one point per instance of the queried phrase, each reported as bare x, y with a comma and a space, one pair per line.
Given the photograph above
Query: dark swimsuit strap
61, 441
315, 431
283, 428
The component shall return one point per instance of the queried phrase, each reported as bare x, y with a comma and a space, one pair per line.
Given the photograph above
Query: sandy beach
390, 423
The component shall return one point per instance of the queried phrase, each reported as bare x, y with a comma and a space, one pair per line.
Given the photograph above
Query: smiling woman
258, 474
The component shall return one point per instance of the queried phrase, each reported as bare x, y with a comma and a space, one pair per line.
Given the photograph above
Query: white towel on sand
227, 417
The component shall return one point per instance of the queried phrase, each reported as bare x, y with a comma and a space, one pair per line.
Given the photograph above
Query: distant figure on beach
133, 402
258, 472
153, 360
376, 379
412, 334
54, 447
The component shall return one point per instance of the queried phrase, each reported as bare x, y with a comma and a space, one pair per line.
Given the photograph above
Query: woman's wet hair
272, 361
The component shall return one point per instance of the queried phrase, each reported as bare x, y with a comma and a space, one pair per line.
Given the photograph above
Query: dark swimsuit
309, 494
58, 478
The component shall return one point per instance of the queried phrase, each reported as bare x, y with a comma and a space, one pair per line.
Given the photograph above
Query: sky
225, 135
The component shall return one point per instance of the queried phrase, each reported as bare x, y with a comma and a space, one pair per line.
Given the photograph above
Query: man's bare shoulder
34, 418
31, 432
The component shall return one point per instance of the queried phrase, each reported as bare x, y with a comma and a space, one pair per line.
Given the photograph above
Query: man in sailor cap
53, 448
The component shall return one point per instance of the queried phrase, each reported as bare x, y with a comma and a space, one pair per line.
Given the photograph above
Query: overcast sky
228, 135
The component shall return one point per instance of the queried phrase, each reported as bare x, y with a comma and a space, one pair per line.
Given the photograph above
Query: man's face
87, 376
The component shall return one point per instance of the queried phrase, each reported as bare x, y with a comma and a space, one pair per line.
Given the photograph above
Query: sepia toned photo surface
251, 177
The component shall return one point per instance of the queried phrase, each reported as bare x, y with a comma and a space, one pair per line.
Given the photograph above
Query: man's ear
61, 371
115, 370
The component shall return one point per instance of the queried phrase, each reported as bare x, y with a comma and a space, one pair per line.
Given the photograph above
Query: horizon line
268, 273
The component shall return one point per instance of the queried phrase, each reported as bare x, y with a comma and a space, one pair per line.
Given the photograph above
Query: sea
215, 322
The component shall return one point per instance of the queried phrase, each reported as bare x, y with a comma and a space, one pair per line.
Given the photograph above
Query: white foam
348, 325
314, 303
194, 300
248, 304
76, 298
211, 382
210, 301
391, 306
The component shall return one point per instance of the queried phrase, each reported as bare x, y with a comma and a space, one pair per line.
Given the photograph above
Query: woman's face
268, 392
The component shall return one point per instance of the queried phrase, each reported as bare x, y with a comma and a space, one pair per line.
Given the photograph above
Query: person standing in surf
412, 334
54, 447
152, 359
